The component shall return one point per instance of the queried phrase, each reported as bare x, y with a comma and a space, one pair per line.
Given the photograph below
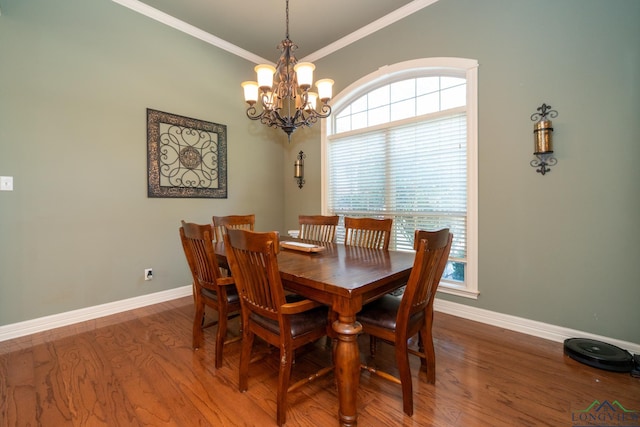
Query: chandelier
283, 91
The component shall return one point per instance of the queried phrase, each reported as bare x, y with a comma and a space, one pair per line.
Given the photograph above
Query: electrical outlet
6, 183
148, 274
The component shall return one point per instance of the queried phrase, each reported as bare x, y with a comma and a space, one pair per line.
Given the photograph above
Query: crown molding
189, 29
377, 25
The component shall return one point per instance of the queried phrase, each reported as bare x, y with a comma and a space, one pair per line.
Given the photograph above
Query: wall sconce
542, 139
298, 169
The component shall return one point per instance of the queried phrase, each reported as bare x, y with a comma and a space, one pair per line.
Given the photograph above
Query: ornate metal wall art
185, 157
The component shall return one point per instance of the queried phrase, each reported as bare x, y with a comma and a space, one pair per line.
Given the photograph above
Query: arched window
402, 143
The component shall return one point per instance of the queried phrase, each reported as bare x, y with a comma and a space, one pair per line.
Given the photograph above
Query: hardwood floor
138, 369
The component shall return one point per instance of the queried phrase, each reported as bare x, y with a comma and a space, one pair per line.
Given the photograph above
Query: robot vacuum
599, 354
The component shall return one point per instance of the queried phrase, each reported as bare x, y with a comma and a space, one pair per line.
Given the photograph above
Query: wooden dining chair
395, 320
320, 228
209, 287
221, 223
368, 232
285, 322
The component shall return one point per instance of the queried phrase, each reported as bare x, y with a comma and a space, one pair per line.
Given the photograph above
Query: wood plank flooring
138, 369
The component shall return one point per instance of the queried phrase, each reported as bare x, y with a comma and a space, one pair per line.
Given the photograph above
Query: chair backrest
253, 260
432, 255
201, 257
368, 232
318, 227
221, 223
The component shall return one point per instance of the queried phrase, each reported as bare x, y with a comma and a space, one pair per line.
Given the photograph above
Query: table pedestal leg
347, 368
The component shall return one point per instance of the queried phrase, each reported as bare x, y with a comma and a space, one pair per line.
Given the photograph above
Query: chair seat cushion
301, 323
383, 312
232, 295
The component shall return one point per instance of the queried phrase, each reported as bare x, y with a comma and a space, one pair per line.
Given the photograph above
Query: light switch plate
6, 183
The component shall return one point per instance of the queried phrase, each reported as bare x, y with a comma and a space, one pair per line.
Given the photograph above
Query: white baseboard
46, 323
513, 323
525, 326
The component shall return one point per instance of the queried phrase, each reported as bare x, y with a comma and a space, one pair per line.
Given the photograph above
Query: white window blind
414, 173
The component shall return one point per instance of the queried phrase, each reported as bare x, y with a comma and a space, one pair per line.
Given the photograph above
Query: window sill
453, 289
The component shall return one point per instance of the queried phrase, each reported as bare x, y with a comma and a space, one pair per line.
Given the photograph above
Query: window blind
414, 173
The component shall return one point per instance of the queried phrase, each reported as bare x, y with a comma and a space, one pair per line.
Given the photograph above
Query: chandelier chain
287, 20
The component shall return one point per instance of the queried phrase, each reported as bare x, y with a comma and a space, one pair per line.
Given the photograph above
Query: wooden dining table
345, 278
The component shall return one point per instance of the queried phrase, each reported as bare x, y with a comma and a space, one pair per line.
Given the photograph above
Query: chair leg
430, 354
245, 357
402, 358
423, 360
286, 360
373, 343
220, 336
198, 335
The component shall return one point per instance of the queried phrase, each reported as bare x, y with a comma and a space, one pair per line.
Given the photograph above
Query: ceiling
253, 28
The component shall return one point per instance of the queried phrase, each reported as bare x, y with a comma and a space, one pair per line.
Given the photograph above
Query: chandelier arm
252, 113
325, 111
281, 121
310, 121
288, 121
271, 119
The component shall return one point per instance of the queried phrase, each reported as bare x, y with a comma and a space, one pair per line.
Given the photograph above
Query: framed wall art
185, 157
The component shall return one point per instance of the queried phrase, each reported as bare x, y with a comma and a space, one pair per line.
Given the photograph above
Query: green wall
76, 78
560, 248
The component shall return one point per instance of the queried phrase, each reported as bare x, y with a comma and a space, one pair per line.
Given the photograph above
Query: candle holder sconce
298, 169
542, 139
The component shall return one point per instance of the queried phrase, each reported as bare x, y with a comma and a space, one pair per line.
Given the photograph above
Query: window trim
467, 68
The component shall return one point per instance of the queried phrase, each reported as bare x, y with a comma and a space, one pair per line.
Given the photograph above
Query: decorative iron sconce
298, 169
542, 139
